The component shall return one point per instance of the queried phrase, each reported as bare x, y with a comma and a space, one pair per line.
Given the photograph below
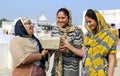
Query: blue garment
42, 62
19, 29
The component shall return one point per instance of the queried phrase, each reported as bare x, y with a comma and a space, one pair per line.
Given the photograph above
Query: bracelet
43, 54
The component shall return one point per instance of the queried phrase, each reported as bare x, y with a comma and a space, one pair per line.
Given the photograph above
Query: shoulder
55, 31
16, 39
112, 34
15, 42
78, 30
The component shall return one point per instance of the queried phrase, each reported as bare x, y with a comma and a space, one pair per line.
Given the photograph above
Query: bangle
43, 54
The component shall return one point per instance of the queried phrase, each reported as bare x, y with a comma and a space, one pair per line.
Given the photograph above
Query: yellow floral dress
97, 48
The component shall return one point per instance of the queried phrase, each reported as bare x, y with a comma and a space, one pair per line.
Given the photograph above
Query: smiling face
91, 20
91, 23
29, 27
62, 19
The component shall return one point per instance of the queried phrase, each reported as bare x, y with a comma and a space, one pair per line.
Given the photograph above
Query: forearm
32, 58
111, 65
111, 69
79, 52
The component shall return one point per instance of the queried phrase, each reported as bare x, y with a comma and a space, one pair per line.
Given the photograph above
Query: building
8, 27
43, 26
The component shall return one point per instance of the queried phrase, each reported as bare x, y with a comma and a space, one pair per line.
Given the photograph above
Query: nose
60, 20
88, 23
32, 24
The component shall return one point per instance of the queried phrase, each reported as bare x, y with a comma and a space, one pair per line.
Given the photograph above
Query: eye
28, 23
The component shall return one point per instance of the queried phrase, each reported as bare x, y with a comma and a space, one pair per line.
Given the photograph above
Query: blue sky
11, 9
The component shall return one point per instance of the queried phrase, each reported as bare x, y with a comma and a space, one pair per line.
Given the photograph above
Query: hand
44, 52
62, 48
65, 43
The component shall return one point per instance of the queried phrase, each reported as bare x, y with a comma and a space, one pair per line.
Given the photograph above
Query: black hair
66, 12
119, 32
112, 24
90, 13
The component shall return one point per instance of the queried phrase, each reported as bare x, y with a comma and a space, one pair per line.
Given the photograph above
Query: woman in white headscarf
66, 62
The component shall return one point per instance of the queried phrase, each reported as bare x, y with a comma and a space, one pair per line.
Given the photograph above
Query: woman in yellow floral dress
100, 46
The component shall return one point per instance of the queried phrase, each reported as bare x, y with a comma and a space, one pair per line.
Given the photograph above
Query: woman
26, 50
66, 62
100, 46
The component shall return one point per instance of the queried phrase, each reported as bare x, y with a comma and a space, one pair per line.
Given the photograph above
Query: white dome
43, 18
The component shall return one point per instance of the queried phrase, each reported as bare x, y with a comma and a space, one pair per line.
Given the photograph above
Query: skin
29, 27
62, 19
111, 59
91, 23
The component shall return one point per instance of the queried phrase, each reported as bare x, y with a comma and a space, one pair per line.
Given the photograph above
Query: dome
42, 18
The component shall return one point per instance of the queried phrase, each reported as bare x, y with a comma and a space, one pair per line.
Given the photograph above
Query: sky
11, 9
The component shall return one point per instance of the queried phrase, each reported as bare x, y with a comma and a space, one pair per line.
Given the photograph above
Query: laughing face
62, 19
91, 23
29, 27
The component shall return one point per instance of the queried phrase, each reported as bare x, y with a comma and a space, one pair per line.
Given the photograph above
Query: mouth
61, 24
91, 26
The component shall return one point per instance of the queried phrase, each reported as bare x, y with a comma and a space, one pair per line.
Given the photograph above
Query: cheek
57, 19
95, 25
27, 28
66, 21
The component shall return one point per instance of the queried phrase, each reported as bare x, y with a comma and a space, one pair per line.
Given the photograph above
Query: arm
34, 57
111, 58
79, 52
76, 43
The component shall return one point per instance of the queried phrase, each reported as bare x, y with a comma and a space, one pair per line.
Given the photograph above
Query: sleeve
78, 39
54, 32
75, 38
113, 49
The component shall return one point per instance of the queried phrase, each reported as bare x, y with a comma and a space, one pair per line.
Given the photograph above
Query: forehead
28, 21
61, 14
88, 18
